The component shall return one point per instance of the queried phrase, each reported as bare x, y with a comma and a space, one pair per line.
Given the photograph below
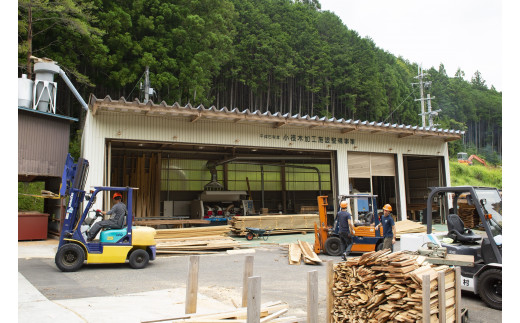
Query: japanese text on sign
314, 139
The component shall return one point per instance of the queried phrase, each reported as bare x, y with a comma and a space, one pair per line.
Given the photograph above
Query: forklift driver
346, 228
118, 213
388, 224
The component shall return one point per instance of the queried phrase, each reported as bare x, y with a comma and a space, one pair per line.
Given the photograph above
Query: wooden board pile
196, 245
408, 226
269, 312
144, 173
382, 286
302, 249
217, 230
467, 213
288, 223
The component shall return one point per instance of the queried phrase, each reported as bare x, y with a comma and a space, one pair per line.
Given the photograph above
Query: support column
343, 183
402, 187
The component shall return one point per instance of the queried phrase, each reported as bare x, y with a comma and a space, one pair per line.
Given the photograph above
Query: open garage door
422, 172
286, 181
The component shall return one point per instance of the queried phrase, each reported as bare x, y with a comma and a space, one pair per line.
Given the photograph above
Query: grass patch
29, 203
475, 175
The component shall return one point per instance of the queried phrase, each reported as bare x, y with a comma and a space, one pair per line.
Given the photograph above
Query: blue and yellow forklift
135, 244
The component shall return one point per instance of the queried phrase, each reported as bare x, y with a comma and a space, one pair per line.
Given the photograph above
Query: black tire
379, 246
70, 257
490, 288
333, 246
139, 259
249, 236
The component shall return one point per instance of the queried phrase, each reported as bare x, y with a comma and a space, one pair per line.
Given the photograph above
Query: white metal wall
155, 128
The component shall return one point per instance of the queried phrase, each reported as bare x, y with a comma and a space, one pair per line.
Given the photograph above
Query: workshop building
197, 162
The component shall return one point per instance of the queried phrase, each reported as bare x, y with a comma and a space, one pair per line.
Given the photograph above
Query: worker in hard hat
388, 224
116, 221
346, 228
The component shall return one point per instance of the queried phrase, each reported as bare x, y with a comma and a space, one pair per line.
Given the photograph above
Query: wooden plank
253, 299
312, 296
442, 297
307, 252
426, 298
453, 260
248, 272
160, 222
295, 254
458, 304
192, 285
330, 295
270, 317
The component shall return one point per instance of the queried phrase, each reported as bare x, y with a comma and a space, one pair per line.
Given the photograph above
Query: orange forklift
363, 208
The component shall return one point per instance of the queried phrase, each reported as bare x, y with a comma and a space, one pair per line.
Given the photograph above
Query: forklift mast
72, 185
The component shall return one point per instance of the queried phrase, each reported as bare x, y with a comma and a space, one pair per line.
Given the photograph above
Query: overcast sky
457, 33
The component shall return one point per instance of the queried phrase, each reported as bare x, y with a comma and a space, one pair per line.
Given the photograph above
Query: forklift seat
457, 231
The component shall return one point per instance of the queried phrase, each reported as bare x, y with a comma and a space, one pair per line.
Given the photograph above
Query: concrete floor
162, 284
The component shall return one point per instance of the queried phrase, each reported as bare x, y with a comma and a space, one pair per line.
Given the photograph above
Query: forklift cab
485, 276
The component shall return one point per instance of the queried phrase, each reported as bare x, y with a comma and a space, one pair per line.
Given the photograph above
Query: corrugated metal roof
276, 119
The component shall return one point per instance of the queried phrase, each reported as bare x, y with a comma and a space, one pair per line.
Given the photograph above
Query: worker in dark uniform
116, 220
346, 228
388, 224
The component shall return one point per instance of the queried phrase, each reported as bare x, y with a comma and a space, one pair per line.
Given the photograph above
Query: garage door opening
420, 174
281, 181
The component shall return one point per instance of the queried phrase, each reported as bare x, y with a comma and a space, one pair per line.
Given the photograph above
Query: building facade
282, 162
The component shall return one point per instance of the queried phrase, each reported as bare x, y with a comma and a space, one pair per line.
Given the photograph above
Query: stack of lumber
142, 172
408, 226
302, 249
467, 213
288, 223
269, 312
382, 286
217, 230
196, 245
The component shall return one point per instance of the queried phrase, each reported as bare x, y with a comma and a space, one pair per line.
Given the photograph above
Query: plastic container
32, 225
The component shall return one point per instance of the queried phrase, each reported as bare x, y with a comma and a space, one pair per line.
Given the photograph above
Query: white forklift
485, 276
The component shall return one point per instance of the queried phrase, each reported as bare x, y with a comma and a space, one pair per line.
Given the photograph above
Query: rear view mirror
469, 199
483, 201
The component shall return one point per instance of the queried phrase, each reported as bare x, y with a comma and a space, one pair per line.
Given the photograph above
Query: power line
398, 106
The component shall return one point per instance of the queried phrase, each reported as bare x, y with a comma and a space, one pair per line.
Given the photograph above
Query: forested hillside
276, 55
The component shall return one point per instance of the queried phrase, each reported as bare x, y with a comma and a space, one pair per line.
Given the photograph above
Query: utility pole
420, 76
147, 85
422, 84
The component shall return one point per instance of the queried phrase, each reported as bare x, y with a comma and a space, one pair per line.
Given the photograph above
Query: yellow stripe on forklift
111, 254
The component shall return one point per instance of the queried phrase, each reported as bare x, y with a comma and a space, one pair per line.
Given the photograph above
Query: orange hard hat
117, 195
343, 204
387, 207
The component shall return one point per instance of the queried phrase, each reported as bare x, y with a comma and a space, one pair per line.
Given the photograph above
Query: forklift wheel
379, 246
139, 259
333, 246
70, 257
490, 288
249, 236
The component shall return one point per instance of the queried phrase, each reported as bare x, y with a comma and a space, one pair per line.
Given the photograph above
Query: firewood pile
383, 286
